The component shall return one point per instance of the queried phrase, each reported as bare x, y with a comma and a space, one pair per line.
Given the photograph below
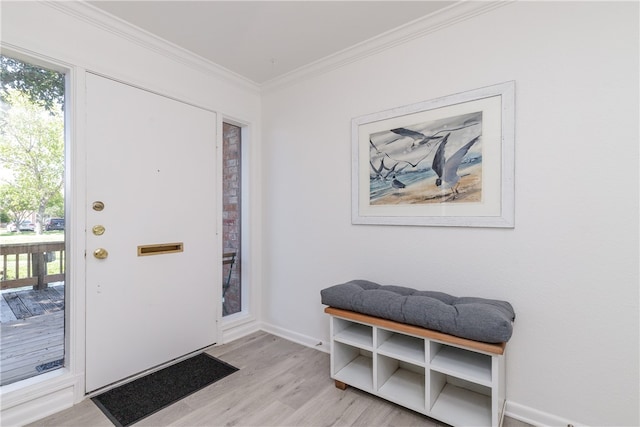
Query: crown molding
458, 12
120, 28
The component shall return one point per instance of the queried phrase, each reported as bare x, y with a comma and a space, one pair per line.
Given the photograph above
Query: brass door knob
100, 253
98, 230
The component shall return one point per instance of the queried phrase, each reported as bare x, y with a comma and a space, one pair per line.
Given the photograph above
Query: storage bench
457, 380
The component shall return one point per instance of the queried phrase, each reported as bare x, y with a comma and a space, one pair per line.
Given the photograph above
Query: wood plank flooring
25, 303
31, 346
31, 332
280, 383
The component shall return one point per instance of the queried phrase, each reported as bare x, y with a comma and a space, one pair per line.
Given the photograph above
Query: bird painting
404, 161
447, 170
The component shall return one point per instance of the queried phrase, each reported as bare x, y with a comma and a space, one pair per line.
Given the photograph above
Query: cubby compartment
402, 347
401, 382
353, 366
353, 333
457, 381
461, 363
459, 402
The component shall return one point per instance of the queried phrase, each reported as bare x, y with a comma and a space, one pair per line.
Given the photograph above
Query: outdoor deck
31, 332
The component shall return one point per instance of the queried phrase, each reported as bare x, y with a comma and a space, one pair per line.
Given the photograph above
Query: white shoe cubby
444, 377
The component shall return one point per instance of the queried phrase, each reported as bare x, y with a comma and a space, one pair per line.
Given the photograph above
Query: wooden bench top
417, 331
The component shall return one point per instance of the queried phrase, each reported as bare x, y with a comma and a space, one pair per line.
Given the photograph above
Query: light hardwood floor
280, 383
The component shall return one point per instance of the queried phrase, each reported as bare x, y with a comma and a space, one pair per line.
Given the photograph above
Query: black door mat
131, 402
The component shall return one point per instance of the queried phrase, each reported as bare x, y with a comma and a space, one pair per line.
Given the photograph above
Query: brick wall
231, 214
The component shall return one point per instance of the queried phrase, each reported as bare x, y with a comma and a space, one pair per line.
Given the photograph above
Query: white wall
75, 37
570, 265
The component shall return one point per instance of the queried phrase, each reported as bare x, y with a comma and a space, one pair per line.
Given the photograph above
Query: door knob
100, 253
98, 230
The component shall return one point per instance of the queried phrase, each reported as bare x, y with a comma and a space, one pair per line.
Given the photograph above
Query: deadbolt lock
98, 206
98, 230
100, 253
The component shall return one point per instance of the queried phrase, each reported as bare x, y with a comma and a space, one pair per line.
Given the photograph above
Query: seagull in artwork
385, 173
393, 175
447, 170
374, 146
397, 184
418, 137
420, 140
378, 170
382, 171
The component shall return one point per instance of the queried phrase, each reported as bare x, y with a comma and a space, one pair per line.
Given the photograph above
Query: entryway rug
131, 402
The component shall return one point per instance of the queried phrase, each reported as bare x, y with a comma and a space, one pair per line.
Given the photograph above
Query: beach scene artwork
431, 162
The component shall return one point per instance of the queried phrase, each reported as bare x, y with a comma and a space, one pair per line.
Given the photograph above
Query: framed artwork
444, 162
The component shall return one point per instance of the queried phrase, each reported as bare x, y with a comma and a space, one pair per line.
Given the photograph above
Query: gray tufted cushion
477, 319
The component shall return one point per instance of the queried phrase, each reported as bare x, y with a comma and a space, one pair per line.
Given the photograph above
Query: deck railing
38, 254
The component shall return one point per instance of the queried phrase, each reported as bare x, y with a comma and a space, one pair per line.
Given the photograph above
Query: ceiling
262, 40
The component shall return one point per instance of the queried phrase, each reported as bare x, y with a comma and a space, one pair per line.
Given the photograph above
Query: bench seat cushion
477, 319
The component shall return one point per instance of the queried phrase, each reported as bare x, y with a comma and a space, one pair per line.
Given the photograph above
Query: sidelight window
231, 219
32, 224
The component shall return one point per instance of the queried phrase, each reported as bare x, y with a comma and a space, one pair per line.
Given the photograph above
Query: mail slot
164, 248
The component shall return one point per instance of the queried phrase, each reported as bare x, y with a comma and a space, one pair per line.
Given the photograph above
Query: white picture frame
444, 162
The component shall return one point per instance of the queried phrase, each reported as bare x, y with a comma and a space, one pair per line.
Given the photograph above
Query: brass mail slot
165, 248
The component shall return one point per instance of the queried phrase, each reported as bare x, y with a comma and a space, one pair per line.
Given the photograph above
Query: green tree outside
37, 89
16, 202
32, 152
42, 86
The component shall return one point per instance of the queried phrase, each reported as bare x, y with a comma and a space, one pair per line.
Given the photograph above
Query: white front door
151, 163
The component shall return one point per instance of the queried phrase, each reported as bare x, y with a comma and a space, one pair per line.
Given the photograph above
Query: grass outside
7, 238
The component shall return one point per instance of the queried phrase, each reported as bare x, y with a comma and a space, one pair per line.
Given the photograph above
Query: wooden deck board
20, 310
31, 332
34, 342
55, 298
31, 303
6, 314
58, 290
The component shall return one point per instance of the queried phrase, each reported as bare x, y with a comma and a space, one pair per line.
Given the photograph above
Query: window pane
231, 223
32, 225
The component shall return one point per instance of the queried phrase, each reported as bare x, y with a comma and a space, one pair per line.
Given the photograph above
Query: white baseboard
536, 417
238, 329
38, 397
296, 337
